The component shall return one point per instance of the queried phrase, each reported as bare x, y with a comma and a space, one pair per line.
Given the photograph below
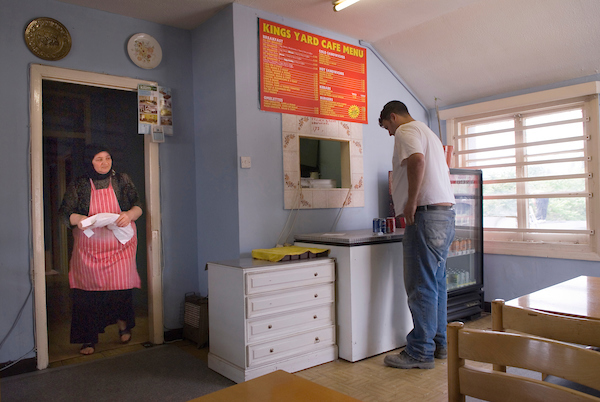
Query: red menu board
310, 75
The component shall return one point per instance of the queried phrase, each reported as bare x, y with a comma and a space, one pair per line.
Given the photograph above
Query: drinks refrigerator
464, 266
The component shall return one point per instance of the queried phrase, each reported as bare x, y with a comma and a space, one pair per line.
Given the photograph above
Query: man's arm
414, 169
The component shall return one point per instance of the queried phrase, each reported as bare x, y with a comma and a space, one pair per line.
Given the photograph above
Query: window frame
586, 95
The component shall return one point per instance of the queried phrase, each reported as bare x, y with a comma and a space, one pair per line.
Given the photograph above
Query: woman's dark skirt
95, 310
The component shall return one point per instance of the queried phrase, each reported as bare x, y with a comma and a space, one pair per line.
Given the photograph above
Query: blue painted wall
507, 277
216, 142
99, 45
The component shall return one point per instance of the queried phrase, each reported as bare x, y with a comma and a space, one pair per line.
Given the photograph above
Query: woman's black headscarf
92, 150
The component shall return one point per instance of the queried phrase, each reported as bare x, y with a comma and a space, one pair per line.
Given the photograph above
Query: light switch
245, 161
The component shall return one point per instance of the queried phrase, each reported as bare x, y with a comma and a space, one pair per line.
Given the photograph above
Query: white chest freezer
372, 309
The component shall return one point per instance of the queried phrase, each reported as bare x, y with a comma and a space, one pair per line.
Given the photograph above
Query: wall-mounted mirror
323, 165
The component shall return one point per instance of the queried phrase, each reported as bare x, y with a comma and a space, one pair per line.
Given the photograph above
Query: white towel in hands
123, 234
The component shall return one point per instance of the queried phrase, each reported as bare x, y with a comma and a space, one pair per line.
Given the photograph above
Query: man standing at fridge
421, 189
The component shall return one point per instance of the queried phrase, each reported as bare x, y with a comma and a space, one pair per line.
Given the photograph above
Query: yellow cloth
278, 253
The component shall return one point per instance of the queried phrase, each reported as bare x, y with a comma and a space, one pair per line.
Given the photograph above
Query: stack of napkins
123, 234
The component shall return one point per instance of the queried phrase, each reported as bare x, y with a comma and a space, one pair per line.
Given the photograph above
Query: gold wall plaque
48, 39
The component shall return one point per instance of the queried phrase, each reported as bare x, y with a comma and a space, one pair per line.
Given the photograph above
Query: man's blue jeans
425, 246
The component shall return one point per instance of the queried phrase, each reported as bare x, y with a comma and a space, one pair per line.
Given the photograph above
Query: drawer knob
315, 316
271, 351
316, 295
317, 339
316, 274
270, 326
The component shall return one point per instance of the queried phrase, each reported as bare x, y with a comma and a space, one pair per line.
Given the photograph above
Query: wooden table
577, 297
278, 386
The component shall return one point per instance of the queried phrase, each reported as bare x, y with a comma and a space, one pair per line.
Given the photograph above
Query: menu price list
311, 75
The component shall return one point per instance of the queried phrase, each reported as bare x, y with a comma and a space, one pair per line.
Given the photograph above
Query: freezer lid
351, 237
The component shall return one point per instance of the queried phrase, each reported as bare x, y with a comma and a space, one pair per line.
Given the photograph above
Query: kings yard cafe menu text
310, 75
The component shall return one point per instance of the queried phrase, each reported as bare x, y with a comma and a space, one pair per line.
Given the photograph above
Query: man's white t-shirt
416, 137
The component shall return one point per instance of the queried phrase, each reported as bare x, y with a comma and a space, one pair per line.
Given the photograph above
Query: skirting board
292, 365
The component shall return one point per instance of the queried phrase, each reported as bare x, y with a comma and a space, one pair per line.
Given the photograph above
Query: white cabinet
266, 316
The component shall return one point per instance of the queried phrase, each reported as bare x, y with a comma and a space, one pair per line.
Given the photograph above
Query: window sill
545, 250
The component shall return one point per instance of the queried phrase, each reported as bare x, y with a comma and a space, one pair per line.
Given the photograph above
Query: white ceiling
452, 50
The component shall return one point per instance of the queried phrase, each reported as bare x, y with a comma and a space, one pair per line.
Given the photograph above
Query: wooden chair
563, 328
516, 350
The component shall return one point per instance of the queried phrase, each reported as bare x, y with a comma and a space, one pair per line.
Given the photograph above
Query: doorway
73, 116
57, 140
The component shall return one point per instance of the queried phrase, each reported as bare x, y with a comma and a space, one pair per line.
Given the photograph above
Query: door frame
39, 72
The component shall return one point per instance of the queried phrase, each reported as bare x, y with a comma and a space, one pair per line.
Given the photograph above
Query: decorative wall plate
144, 50
48, 39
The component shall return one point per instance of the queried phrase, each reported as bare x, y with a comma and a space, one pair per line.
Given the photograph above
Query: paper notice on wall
155, 112
147, 108
165, 110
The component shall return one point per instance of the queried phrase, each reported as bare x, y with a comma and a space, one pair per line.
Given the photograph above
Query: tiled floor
371, 380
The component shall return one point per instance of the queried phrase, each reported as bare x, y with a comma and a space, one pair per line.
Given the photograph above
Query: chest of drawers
266, 316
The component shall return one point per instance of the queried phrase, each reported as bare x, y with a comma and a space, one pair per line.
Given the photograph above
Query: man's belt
435, 207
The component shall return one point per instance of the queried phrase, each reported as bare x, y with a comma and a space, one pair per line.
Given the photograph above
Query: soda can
376, 225
390, 225
382, 225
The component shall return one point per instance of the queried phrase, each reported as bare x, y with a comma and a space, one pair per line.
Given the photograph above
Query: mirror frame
350, 134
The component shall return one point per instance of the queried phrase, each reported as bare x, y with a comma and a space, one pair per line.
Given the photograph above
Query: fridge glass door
463, 266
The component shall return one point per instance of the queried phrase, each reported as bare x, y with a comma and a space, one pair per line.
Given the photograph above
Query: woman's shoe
125, 333
85, 349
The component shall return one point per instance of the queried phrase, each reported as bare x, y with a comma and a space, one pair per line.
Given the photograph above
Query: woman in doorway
102, 270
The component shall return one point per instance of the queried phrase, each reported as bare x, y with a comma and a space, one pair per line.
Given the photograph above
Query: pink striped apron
101, 262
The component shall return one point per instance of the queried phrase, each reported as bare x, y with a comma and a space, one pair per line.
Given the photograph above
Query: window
321, 163
540, 165
330, 178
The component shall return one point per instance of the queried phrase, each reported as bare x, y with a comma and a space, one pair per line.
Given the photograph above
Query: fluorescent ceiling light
339, 5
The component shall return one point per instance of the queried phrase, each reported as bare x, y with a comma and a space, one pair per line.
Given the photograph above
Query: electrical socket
245, 162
